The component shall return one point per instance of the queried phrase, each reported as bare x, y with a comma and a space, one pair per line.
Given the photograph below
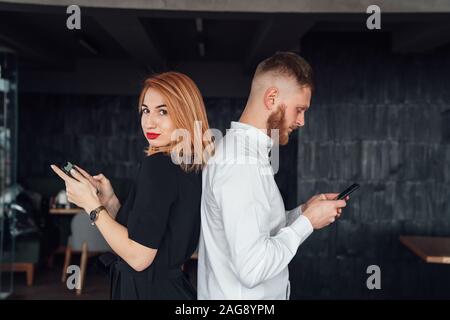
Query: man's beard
277, 121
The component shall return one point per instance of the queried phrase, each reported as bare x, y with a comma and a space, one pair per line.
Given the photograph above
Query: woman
157, 229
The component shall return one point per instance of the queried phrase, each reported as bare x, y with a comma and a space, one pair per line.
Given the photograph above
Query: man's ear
270, 97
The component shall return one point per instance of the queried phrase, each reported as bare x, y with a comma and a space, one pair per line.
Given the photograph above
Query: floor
48, 286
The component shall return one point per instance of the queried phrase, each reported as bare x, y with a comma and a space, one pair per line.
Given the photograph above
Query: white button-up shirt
247, 238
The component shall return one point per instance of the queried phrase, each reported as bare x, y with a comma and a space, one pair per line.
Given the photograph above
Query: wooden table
71, 211
430, 249
63, 212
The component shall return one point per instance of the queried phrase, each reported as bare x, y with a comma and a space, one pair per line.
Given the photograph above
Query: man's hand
323, 212
320, 197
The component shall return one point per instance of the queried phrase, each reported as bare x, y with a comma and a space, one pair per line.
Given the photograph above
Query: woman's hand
80, 191
102, 184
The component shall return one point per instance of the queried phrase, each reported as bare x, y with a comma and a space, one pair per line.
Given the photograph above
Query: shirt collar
264, 142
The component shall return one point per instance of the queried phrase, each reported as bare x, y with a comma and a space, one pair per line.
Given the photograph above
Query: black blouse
162, 210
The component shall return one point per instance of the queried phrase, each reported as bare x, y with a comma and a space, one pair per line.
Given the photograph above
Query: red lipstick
152, 135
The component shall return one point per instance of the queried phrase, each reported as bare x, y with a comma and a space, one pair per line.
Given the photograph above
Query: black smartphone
347, 191
67, 167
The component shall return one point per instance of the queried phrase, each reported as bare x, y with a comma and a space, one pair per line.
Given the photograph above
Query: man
247, 238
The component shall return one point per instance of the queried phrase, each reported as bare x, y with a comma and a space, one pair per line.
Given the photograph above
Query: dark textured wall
100, 133
377, 118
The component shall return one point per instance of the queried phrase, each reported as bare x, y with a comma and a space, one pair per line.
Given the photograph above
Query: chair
25, 258
86, 239
23, 241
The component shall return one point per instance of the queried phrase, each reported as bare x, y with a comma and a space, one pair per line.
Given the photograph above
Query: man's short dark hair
288, 64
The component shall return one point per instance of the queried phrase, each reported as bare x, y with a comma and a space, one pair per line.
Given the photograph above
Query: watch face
93, 215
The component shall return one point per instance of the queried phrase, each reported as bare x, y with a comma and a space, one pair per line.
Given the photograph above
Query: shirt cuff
302, 227
293, 215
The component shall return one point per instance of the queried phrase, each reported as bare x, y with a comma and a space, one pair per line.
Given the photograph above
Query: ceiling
155, 40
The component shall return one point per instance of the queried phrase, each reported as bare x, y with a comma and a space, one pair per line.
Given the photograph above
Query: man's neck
251, 118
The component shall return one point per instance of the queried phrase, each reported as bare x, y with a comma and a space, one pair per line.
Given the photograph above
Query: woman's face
155, 120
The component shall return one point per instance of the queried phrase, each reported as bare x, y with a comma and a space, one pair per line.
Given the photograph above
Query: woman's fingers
61, 173
88, 176
100, 177
78, 176
83, 172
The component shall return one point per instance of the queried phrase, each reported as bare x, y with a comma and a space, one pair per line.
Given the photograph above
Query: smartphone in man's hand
347, 191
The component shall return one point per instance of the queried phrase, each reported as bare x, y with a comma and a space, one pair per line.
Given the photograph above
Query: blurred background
380, 116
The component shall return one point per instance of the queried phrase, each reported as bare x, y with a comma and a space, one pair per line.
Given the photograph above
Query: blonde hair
186, 108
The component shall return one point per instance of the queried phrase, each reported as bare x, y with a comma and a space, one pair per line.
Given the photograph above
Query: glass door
8, 166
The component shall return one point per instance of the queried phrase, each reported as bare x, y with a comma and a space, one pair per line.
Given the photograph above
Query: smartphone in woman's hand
67, 167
